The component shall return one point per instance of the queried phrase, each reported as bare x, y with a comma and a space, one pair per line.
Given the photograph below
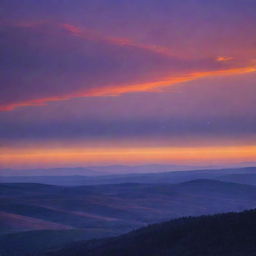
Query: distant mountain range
115, 169
231, 234
160, 177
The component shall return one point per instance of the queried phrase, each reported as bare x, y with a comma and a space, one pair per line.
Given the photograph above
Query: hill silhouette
231, 234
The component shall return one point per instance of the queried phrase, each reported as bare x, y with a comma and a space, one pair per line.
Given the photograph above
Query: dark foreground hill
231, 234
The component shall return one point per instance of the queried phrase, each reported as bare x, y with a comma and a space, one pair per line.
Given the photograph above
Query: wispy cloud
41, 69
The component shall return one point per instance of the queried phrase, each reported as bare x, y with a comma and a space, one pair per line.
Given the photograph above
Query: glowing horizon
54, 157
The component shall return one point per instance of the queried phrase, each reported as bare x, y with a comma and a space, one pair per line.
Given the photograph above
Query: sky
105, 82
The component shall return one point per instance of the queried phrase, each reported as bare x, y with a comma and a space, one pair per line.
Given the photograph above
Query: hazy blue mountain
243, 178
231, 234
101, 170
160, 177
115, 169
51, 172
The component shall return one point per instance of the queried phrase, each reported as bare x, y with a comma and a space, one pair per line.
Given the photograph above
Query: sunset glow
124, 83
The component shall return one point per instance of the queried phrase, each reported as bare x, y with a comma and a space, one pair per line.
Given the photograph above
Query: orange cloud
139, 87
118, 89
92, 35
89, 34
223, 58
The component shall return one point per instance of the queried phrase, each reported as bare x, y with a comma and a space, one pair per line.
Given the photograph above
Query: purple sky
135, 74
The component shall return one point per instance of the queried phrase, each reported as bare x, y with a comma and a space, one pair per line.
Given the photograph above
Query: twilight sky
87, 82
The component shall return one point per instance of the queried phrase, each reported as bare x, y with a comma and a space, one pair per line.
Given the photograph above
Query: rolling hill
103, 210
35, 242
117, 206
242, 178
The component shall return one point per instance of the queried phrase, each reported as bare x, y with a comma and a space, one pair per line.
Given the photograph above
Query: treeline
232, 234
